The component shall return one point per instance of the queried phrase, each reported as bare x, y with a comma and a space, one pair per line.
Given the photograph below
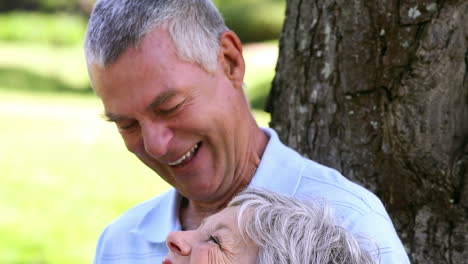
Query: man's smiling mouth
186, 157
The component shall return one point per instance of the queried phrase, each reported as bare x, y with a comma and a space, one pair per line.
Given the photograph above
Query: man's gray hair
116, 25
288, 230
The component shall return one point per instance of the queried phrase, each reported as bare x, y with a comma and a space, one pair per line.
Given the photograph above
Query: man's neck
190, 216
191, 213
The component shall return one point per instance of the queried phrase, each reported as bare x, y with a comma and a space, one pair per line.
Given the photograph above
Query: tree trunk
379, 91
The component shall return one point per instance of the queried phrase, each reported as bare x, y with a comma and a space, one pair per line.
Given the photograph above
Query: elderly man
170, 76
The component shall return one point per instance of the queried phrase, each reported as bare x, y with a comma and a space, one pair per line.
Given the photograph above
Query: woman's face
216, 241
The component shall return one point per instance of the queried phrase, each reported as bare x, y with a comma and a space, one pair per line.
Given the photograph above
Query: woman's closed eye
215, 240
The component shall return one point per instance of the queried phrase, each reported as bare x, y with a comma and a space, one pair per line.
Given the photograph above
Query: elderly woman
267, 228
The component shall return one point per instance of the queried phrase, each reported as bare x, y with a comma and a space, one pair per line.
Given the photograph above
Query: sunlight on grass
63, 63
65, 175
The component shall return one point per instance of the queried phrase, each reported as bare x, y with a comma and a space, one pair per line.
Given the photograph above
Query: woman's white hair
290, 231
115, 25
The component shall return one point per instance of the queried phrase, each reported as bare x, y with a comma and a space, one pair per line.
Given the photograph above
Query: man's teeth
184, 157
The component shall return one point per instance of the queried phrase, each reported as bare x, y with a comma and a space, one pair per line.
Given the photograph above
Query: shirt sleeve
382, 239
99, 247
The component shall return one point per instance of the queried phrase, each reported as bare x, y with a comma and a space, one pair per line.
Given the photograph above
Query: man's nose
156, 138
178, 243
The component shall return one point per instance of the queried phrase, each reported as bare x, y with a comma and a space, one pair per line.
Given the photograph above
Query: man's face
181, 121
217, 241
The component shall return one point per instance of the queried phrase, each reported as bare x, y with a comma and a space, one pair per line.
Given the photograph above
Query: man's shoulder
284, 170
356, 208
122, 241
135, 214
328, 183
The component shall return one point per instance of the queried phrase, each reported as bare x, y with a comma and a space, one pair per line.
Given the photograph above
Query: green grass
65, 173
40, 67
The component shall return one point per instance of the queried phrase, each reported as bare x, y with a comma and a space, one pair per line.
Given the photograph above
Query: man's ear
231, 58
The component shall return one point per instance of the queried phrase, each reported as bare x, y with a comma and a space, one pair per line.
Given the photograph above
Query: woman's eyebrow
203, 222
218, 226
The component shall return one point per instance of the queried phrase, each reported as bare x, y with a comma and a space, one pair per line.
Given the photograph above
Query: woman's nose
166, 261
177, 242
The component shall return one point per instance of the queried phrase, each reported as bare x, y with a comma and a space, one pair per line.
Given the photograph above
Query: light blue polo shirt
138, 235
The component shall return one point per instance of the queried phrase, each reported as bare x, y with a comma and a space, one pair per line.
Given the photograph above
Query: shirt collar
280, 168
161, 219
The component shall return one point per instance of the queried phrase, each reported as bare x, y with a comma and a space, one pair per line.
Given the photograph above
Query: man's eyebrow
111, 117
158, 100
161, 98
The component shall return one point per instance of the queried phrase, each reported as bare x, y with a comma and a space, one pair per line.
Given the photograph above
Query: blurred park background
64, 172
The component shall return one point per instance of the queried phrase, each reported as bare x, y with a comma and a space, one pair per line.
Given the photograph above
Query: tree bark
379, 91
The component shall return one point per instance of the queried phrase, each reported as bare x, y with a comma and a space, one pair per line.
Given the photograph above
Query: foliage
55, 29
42, 5
254, 20
57, 4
